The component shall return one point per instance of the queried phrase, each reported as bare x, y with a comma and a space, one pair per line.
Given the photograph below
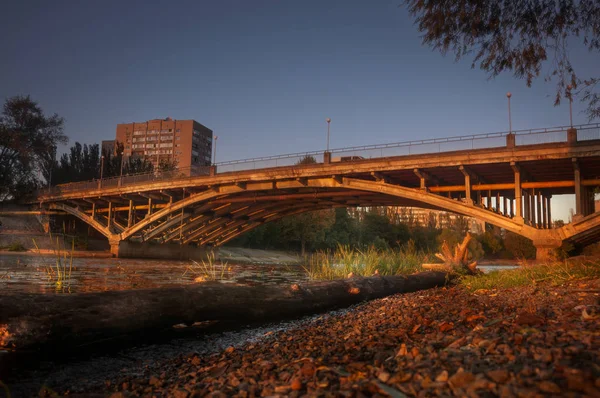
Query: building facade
186, 144
108, 147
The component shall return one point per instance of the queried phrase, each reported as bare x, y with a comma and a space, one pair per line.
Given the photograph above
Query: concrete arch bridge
504, 179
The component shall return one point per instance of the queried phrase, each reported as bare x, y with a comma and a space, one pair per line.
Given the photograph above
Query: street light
328, 120
215, 151
569, 88
101, 169
121, 176
508, 95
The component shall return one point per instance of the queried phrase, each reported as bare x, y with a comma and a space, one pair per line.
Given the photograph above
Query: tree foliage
516, 36
28, 138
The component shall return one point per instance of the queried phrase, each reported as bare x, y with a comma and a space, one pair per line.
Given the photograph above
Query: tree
307, 159
28, 141
516, 36
82, 163
114, 162
343, 229
307, 228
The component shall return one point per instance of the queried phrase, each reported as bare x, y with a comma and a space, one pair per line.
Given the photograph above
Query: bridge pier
127, 249
545, 249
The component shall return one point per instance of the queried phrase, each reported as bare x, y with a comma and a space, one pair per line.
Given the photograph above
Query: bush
518, 246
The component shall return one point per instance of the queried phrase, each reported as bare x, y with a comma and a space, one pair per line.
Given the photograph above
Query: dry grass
345, 261
555, 273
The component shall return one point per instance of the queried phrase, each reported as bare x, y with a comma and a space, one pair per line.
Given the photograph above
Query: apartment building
185, 143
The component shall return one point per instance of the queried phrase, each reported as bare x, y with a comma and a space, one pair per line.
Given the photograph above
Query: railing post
572, 135
510, 141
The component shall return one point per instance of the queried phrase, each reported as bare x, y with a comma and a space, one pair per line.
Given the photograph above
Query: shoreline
239, 255
526, 341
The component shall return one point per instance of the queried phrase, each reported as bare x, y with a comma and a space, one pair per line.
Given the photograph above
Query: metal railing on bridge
129, 179
416, 147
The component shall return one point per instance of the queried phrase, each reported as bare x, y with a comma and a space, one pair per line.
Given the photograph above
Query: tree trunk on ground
29, 321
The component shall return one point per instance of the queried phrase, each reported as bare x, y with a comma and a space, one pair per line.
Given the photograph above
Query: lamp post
508, 95
121, 175
101, 169
215, 151
328, 120
569, 88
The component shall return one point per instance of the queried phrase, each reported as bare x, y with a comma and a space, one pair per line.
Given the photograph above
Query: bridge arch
418, 196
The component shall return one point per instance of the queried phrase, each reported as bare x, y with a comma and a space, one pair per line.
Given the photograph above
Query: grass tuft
554, 273
59, 273
346, 260
208, 270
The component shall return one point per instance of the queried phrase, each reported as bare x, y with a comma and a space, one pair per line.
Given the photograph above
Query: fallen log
30, 321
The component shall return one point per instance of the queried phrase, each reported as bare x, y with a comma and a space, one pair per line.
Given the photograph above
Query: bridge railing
418, 147
128, 179
435, 145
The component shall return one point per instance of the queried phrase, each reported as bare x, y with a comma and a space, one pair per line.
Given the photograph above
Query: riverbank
528, 341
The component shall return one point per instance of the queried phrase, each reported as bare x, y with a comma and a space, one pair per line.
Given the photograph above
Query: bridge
505, 179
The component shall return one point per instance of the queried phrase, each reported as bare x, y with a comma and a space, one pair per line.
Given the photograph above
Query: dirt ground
522, 342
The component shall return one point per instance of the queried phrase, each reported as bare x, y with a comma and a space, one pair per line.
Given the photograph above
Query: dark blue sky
263, 75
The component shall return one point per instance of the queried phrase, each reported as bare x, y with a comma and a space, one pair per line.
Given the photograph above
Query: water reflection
37, 274
30, 274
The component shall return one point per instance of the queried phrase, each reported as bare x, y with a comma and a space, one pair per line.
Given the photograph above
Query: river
39, 274
82, 370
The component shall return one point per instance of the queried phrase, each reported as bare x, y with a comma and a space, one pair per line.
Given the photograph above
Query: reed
347, 261
60, 270
208, 269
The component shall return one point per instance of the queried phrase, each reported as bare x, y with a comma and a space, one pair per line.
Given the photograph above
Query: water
487, 268
31, 274
38, 274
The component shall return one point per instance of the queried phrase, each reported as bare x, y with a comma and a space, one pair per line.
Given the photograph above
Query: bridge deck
510, 187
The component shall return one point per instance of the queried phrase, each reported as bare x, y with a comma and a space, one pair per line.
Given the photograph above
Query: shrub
518, 246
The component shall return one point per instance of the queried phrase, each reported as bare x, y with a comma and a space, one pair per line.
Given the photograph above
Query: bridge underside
508, 188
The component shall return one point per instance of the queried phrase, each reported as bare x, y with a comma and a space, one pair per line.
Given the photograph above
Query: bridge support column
579, 191
545, 249
127, 249
544, 212
469, 198
517, 212
130, 215
549, 210
540, 211
109, 215
114, 245
327, 157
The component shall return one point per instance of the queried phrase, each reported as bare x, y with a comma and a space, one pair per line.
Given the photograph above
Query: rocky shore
522, 342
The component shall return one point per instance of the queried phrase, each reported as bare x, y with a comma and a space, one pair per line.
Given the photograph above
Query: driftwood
30, 321
457, 261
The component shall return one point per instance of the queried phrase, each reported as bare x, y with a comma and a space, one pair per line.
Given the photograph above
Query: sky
263, 74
